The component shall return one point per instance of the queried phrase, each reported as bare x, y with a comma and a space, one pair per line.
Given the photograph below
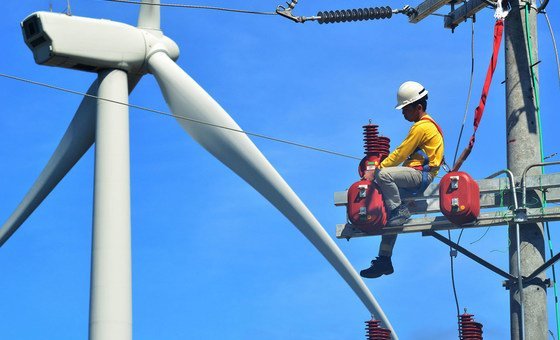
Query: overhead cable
542, 6
194, 7
552, 155
258, 135
452, 254
337, 16
554, 46
535, 91
469, 93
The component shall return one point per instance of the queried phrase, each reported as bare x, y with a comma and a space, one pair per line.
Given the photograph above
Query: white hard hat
409, 92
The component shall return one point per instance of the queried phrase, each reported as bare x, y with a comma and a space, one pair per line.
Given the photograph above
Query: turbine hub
160, 43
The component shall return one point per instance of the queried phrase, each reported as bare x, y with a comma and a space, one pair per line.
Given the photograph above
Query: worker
422, 154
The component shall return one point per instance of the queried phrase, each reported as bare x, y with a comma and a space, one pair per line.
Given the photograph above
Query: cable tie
535, 64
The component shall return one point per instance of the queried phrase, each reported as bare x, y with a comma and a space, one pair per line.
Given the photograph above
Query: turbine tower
121, 54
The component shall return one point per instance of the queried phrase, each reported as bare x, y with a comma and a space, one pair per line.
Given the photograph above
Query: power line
163, 113
451, 255
194, 7
553, 45
469, 93
481, 237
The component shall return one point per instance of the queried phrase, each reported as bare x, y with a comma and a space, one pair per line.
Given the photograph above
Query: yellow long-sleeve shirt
424, 135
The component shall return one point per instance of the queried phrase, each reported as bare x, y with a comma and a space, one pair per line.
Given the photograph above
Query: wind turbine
121, 54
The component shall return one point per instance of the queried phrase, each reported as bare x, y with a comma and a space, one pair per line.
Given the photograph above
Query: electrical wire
553, 276
538, 111
194, 7
553, 45
163, 113
453, 274
454, 159
542, 6
469, 93
481, 237
551, 156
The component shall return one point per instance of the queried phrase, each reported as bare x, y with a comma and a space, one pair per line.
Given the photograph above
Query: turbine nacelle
92, 44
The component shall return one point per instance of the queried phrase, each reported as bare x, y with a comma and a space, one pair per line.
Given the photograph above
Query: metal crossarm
434, 223
495, 198
426, 8
454, 18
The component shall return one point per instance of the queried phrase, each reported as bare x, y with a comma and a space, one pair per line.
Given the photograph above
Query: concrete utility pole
523, 149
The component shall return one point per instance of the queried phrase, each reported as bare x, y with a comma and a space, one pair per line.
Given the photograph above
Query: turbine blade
187, 99
149, 17
77, 139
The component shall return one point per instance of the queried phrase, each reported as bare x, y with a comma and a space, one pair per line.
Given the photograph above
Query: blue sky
211, 258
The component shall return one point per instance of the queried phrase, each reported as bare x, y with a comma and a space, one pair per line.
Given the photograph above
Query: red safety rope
498, 30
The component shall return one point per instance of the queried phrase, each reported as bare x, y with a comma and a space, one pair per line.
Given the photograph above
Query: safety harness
425, 167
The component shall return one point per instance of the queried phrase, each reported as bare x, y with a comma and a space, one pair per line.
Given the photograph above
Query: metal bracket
287, 13
454, 182
520, 215
363, 190
363, 211
536, 281
406, 10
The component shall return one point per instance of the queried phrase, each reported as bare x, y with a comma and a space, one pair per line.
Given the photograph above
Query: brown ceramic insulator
374, 331
373, 143
468, 328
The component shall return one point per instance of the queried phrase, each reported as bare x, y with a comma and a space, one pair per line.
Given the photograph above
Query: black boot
398, 216
382, 265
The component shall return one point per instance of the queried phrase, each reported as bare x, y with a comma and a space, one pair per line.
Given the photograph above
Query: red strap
498, 29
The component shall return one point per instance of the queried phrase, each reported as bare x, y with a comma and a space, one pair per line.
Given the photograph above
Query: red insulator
374, 331
376, 148
370, 137
468, 328
373, 143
